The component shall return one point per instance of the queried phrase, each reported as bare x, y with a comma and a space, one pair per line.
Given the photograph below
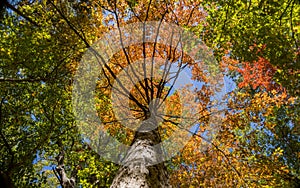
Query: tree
168, 49
36, 115
255, 142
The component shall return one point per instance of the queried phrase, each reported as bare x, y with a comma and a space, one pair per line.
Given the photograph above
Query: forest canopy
244, 52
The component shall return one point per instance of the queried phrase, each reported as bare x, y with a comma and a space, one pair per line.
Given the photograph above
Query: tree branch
61, 174
10, 6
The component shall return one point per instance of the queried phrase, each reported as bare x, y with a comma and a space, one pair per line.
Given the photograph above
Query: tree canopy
248, 51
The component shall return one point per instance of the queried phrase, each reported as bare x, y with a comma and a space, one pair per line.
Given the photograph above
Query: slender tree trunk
140, 166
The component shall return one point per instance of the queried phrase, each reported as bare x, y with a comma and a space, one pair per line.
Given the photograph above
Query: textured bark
61, 174
140, 168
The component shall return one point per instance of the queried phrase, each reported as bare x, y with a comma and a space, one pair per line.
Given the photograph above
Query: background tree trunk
5, 180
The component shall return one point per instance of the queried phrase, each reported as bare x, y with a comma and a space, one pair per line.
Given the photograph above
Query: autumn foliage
258, 74
244, 133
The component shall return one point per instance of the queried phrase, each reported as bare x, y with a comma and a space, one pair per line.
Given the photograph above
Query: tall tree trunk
143, 166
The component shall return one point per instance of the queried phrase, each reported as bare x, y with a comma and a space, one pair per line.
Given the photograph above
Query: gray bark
61, 174
140, 167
